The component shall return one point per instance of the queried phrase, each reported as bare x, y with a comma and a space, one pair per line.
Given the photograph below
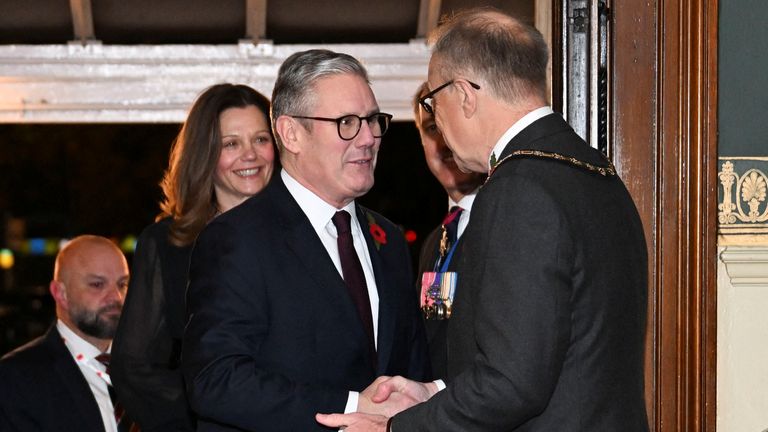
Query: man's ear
468, 98
287, 127
59, 293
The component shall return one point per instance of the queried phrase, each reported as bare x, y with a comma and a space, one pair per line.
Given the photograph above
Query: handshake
384, 398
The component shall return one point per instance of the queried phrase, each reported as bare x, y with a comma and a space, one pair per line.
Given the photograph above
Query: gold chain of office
605, 171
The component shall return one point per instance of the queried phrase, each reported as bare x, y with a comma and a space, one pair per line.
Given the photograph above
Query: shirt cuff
440, 384
352, 402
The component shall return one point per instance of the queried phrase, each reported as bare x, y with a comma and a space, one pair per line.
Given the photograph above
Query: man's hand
387, 404
355, 422
416, 391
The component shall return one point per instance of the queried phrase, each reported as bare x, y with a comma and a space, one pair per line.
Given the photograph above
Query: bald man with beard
56, 382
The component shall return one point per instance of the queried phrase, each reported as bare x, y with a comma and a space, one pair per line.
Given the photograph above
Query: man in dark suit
57, 382
440, 251
548, 320
299, 298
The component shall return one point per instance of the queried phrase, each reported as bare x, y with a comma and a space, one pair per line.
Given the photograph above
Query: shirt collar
75, 344
465, 202
318, 211
515, 129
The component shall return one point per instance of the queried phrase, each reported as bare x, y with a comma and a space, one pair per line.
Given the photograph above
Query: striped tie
123, 423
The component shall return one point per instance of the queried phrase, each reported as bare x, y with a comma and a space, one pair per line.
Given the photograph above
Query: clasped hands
384, 398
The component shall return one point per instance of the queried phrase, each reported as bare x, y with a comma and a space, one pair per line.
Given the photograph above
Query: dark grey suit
549, 316
273, 336
43, 389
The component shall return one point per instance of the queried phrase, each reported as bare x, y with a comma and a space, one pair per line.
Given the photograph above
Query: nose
365, 135
249, 152
116, 294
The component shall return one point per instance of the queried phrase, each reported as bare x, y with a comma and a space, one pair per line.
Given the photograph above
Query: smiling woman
247, 154
223, 155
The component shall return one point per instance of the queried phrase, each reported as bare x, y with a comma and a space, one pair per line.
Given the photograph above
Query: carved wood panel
664, 95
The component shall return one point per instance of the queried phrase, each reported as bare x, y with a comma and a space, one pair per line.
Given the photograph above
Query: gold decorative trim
605, 171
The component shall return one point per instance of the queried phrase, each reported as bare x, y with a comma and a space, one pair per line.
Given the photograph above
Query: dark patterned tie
354, 277
123, 423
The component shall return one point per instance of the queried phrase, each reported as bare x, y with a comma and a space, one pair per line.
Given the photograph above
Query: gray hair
294, 91
486, 44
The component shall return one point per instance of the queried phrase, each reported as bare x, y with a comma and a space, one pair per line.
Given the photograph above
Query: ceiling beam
429, 14
82, 20
96, 83
256, 20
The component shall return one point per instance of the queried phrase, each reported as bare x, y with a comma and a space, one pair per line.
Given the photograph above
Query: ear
59, 292
287, 127
468, 97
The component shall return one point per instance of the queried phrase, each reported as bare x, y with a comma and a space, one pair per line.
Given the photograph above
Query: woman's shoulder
157, 231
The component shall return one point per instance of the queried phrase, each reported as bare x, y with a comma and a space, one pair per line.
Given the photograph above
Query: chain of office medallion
606, 171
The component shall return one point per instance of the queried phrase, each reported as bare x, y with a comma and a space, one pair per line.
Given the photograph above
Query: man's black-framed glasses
426, 101
349, 125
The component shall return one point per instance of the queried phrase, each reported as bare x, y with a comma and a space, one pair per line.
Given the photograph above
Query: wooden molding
664, 94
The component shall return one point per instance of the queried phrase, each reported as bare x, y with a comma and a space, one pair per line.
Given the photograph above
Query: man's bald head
90, 280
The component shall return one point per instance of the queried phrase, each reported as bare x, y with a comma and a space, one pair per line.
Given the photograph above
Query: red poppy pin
378, 233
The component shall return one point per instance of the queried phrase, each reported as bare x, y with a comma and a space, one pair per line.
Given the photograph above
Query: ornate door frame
661, 123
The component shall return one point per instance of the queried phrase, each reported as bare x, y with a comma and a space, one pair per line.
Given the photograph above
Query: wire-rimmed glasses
431, 95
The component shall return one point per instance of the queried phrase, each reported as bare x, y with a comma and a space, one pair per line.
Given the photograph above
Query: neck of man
502, 116
290, 167
458, 193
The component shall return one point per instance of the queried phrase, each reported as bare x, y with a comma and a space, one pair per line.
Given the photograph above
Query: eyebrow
235, 134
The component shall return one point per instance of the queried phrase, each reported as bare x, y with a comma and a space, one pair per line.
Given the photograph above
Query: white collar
465, 202
515, 129
75, 344
318, 211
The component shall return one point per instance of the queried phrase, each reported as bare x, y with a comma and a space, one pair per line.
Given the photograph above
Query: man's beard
95, 323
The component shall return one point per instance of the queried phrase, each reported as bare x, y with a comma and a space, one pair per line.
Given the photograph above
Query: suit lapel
301, 239
73, 381
382, 274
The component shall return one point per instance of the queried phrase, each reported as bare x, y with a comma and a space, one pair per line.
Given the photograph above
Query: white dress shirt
515, 129
319, 214
94, 371
465, 203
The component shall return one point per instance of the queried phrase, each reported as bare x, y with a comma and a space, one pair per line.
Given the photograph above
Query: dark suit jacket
436, 330
273, 336
549, 316
42, 389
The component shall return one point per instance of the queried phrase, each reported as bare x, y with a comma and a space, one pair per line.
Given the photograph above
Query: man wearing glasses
441, 250
548, 320
299, 298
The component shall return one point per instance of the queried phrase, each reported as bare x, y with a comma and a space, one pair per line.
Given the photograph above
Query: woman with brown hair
223, 155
